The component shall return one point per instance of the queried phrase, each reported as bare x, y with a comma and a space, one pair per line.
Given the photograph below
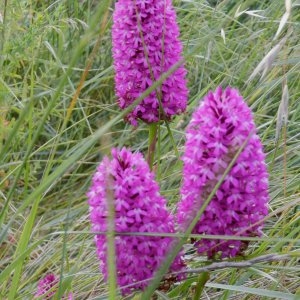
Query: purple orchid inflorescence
145, 39
46, 284
218, 129
139, 207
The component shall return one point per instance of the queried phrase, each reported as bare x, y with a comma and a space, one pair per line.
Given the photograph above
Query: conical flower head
218, 129
139, 207
146, 44
46, 284
49, 282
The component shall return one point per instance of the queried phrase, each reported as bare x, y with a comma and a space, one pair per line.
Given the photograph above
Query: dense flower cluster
146, 44
218, 128
46, 284
138, 208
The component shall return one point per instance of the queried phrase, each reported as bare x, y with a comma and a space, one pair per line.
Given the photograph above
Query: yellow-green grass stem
152, 143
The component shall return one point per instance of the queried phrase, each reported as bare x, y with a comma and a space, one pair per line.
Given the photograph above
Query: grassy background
52, 137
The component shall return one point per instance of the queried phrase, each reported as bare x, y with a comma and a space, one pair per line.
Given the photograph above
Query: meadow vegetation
59, 117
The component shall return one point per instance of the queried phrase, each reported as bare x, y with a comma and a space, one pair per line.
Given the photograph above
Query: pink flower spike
46, 284
137, 201
217, 130
145, 44
49, 282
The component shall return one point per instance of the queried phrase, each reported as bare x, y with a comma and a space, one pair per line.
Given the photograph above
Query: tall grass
58, 118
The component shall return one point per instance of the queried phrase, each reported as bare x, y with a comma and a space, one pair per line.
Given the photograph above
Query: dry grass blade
238, 13
241, 264
296, 3
283, 21
223, 35
285, 104
282, 115
252, 13
285, 17
267, 61
208, 54
288, 6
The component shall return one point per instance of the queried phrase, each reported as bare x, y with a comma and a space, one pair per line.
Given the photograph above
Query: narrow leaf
282, 114
223, 35
288, 6
254, 291
283, 21
253, 13
267, 61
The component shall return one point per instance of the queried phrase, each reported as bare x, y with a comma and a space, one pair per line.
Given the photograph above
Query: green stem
172, 139
158, 174
202, 279
111, 251
152, 143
